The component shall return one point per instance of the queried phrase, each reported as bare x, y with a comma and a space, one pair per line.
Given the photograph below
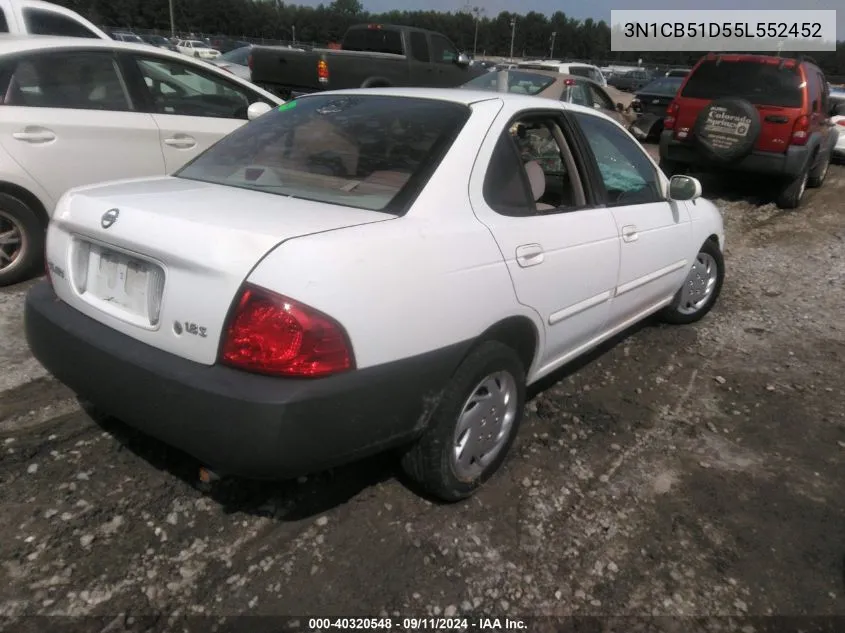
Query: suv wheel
818, 175
791, 194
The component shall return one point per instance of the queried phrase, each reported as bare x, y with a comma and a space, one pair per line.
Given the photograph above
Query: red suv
752, 113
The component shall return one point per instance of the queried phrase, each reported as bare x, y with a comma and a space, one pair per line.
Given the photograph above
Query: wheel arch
27, 197
517, 332
376, 82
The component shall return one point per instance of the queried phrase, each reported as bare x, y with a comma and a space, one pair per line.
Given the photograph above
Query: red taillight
841, 122
800, 130
323, 71
671, 116
568, 82
275, 335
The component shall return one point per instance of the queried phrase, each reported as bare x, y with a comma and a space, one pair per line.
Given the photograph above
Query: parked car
248, 327
370, 56
677, 72
236, 62
124, 36
753, 113
551, 84
160, 41
650, 103
73, 116
33, 17
226, 44
631, 80
196, 48
837, 101
578, 69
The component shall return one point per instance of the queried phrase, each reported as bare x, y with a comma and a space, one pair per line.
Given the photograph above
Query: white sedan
368, 269
80, 111
196, 48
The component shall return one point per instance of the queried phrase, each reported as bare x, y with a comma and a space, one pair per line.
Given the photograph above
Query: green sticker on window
287, 106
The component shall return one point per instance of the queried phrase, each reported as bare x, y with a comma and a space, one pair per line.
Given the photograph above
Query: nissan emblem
109, 218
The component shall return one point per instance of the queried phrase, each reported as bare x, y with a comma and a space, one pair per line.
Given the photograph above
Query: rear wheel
21, 240
792, 193
818, 175
473, 427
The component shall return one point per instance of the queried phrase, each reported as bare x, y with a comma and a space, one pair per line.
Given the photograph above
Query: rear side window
419, 46
41, 22
764, 84
374, 41
368, 152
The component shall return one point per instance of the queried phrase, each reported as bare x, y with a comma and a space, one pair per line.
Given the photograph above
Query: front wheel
21, 240
473, 427
701, 287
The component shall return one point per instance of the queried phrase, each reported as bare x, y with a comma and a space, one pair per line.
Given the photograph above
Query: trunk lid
166, 267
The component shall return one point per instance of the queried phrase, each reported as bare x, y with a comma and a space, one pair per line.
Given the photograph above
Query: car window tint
629, 176
419, 46
81, 81
374, 40
4, 24
361, 151
765, 84
579, 71
600, 98
41, 22
507, 185
178, 88
442, 50
579, 96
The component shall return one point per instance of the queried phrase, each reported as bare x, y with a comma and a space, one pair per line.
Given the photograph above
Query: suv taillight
671, 116
323, 71
800, 130
274, 335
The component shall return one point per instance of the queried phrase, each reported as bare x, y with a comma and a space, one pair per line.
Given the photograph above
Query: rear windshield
664, 86
580, 71
517, 81
362, 151
238, 56
374, 41
759, 83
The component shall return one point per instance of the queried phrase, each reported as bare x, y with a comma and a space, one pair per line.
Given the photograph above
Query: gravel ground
681, 471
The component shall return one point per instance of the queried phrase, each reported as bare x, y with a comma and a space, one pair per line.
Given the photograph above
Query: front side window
600, 98
628, 175
177, 88
442, 50
579, 95
419, 46
356, 151
80, 81
42, 22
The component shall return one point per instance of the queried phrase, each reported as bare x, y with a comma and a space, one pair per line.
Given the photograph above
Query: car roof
25, 43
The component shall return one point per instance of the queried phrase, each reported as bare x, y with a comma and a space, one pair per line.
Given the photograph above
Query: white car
579, 69
837, 98
195, 48
80, 111
34, 17
367, 269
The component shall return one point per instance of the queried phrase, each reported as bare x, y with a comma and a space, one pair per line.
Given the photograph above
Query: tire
432, 462
671, 168
818, 174
709, 268
19, 222
792, 193
726, 129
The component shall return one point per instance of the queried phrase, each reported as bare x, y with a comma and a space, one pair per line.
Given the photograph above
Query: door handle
35, 134
629, 233
181, 141
529, 255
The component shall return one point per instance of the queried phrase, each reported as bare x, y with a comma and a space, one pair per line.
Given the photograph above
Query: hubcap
11, 241
484, 424
699, 284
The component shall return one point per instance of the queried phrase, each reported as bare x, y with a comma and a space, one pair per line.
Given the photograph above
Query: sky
596, 9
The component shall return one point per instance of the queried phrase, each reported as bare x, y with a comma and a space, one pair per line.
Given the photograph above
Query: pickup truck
370, 56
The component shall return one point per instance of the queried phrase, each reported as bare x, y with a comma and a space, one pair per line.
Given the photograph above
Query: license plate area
118, 283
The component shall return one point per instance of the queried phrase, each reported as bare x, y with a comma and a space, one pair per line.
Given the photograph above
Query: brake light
374, 26
274, 335
568, 82
841, 122
671, 116
800, 131
323, 71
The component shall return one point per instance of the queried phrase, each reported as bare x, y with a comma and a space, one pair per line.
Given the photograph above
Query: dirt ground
682, 471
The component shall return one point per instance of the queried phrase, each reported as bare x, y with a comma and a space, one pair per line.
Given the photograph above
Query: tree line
535, 35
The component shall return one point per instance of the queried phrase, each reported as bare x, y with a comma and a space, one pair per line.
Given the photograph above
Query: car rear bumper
234, 422
787, 164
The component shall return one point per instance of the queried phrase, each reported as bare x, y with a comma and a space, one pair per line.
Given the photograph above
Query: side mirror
462, 60
684, 188
256, 109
